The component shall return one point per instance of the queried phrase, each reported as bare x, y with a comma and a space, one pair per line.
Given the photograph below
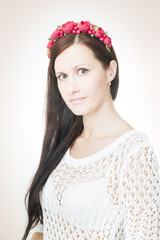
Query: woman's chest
87, 187
82, 149
83, 199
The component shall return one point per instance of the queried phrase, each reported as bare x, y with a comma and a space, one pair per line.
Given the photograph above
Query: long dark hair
62, 127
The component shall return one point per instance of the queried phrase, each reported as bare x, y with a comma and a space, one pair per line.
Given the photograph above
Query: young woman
98, 176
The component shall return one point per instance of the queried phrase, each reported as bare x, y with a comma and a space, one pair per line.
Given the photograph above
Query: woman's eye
83, 70
60, 76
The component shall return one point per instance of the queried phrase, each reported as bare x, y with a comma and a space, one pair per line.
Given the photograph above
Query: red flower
68, 27
107, 40
76, 28
84, 26
50, 44
99, 33
55, 34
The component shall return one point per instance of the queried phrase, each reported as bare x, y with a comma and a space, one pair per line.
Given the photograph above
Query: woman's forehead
74, 55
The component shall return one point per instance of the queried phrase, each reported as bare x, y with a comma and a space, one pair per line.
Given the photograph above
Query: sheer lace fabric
111, 195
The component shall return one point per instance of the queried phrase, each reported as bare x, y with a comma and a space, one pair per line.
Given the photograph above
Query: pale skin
79, 74
37, 236
102, 123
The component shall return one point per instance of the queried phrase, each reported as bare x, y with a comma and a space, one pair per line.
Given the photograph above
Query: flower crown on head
76, 28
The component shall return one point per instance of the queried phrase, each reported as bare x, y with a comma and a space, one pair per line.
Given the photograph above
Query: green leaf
50, 38
108, 49
64, 34
92, 35
48, 52
96, 28
106, 33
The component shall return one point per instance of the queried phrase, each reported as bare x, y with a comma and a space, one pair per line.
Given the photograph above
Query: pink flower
68, 27
50, 44
107, 40
76, 28
84, 26
55, 34
99, 33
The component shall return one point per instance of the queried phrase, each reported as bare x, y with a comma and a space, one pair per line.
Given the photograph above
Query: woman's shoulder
138, 137
135, 141
140, 146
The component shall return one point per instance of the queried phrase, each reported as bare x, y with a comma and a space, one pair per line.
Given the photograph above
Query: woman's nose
73, 85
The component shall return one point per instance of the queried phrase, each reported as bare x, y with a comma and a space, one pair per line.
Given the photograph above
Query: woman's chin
78, 111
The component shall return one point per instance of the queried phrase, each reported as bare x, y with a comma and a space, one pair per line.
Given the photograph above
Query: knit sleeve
38, 228
140, 191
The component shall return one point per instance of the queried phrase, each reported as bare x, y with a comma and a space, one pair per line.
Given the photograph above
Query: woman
98, 177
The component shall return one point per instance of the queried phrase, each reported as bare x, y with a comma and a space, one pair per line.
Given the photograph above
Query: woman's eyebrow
76, 66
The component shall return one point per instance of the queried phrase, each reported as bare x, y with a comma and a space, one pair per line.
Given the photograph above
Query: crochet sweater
113, 194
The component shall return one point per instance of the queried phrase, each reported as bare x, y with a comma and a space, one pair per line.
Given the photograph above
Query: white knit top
113, 194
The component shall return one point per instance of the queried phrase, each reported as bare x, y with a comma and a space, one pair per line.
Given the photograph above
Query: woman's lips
77, 100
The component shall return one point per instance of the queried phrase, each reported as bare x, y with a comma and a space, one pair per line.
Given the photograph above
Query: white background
25, 28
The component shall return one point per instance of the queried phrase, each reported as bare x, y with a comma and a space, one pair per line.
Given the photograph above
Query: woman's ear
111, 70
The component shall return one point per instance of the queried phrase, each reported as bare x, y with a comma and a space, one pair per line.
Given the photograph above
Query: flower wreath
76, 28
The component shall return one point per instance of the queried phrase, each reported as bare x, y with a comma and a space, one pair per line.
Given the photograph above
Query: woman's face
81, 76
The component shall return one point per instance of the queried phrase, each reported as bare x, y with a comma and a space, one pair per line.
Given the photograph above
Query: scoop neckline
93, 156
